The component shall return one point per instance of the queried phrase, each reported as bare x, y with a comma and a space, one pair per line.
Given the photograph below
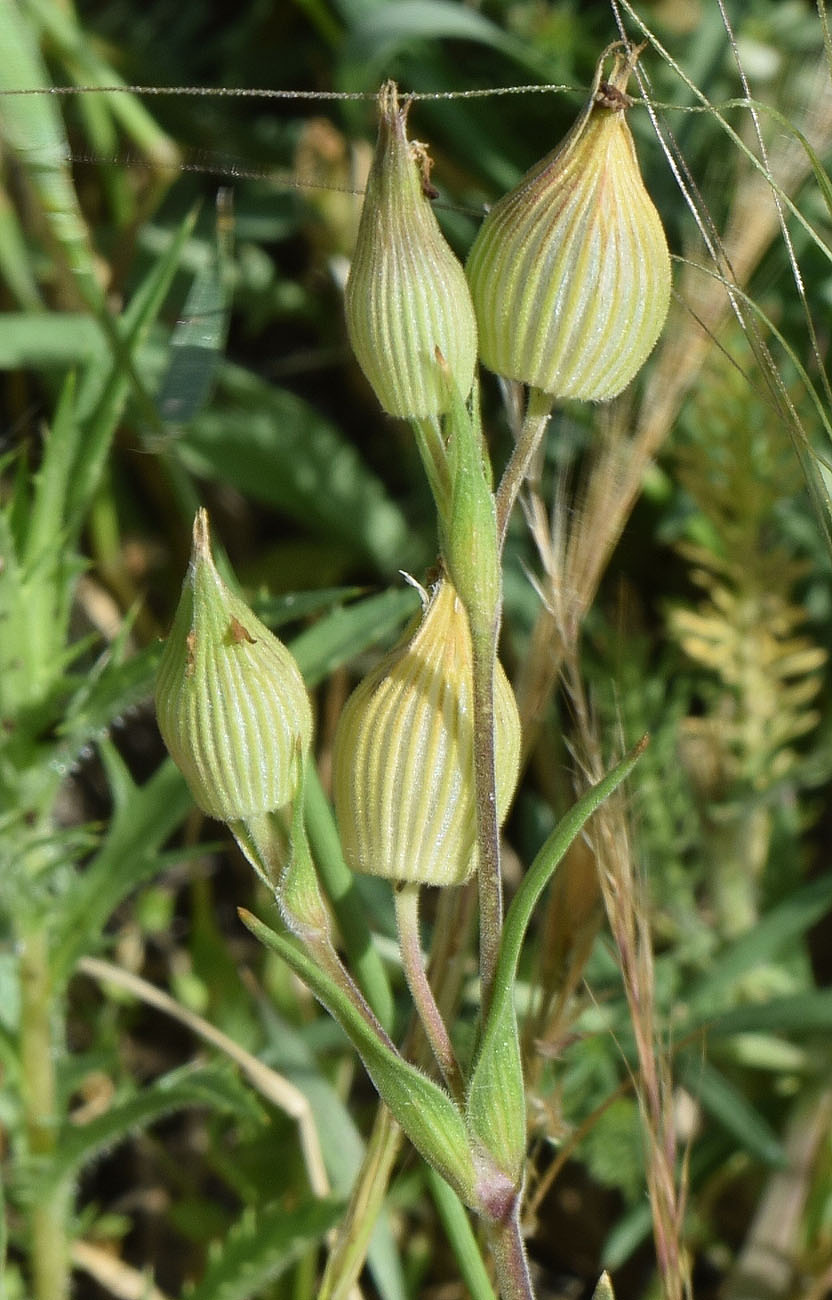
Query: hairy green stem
49, 1247
506, 1240
484, 634
428, 435
407, 922
346, 1259
263, 840
489, 872
538, 410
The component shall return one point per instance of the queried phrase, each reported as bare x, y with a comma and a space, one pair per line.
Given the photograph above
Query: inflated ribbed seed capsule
407, 294
570, 272
230, 701
404, 755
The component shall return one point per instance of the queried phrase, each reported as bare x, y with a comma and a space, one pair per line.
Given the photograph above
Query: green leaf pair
480, 1153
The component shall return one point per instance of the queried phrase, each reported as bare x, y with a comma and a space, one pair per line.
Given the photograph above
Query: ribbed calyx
404, 755
407, 294
570, 272
230, 700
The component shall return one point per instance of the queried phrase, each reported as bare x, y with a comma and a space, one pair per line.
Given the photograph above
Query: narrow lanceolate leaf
496, 1099
275, 447
570, 273
425, 1112
724, 1101
199, 336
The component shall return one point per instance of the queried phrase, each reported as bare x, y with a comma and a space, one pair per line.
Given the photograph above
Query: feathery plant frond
747, 630
762, 672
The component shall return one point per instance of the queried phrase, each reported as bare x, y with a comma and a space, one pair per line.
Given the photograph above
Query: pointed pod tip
201, 535
603, 1290
230, 699
570, 272
391, 112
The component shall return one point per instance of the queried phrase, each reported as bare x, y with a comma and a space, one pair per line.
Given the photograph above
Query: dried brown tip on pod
570, 272
230, 700
407, 294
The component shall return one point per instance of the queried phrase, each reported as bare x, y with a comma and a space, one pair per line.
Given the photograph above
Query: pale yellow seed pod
407, 295
570, 272
230, 700
404, 755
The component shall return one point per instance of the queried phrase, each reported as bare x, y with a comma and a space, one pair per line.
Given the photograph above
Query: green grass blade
37, 340
796, 1015
32, 126
199, 336
385, 29
15, 268
107, 399
426, 1113
627, 1235
349, 630
769, 938
461, 1238
277, 610
87, 68
143, 820
261, 1246
726, 1104
278, 449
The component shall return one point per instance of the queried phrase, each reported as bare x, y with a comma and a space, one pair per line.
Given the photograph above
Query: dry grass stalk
627, 911
767, 1266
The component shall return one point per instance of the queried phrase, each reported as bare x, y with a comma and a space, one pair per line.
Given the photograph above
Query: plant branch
510, 1257
49, 1252
538, 410
406, 898
428, 435
346, 1258
489, 871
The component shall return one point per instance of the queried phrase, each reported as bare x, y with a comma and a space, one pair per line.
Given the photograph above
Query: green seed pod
230, 700
407, 294
570, 272
404, 755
